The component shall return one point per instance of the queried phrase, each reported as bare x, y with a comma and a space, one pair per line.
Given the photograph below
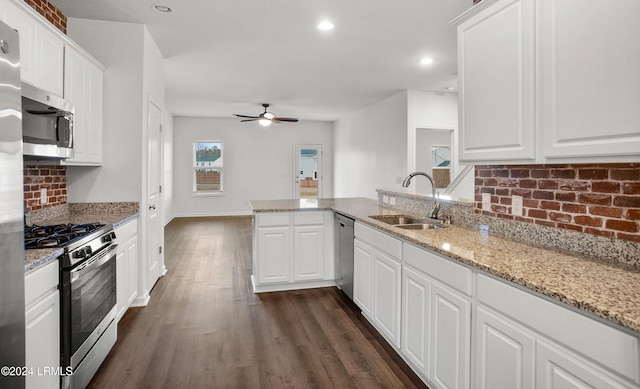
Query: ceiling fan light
264, 122
269, 115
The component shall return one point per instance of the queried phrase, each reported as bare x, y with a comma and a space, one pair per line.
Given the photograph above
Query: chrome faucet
435, 207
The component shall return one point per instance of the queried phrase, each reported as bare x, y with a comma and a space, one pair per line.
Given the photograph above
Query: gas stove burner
56, 235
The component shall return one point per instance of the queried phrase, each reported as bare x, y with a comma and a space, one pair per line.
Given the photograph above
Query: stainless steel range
87, 293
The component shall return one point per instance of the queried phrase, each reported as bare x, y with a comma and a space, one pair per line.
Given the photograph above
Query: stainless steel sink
421, 226
408, 222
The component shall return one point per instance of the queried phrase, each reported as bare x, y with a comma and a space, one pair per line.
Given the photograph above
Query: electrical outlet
43, 196
486, 201
385, 199
392, 201
516, 205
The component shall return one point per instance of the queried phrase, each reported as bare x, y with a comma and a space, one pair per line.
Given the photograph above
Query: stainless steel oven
88, 305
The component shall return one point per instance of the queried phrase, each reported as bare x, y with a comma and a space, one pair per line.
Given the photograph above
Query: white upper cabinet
26, 27
496, 77
49, 60
547, 81
83, 86
589, 57
41, 47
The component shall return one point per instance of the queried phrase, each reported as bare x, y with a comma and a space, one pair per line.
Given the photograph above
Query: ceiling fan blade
291, 120
249, 120
248, 117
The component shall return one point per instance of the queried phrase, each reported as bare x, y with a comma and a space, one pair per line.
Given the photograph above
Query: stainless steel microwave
47, 124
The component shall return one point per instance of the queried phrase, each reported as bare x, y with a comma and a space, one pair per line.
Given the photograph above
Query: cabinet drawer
311, 217
41, 282
442, 269
613, 348
378, 240
273, 219
127, 230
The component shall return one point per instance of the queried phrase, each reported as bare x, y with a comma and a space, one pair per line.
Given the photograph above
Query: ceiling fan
266, 118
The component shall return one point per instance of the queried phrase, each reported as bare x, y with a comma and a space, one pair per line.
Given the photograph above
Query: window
207, 167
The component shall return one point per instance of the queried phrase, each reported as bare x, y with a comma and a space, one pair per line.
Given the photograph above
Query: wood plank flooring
204, 328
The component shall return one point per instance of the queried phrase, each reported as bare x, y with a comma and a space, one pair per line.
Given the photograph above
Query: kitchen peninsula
541, 291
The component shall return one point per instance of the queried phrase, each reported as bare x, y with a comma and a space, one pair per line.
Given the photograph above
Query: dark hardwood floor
204, 328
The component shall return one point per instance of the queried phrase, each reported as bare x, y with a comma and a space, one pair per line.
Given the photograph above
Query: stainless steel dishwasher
344, 253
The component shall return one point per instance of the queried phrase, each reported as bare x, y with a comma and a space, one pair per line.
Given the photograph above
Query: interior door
308, 172
154, 166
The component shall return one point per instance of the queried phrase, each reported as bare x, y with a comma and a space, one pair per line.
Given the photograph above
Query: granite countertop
602, 288
113, 214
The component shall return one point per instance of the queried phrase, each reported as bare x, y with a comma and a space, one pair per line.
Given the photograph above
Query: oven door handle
97, 261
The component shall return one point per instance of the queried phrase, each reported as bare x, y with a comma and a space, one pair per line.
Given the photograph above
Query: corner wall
370, 148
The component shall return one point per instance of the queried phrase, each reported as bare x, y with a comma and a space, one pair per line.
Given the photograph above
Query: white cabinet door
131, 266
83, 88
496, 83
26, 26
416, 319
42, 326
362, 277
49, 61
274, 258
504, 353
387, 277
451, 338
42, 336
308, 253
557, 368
590, 90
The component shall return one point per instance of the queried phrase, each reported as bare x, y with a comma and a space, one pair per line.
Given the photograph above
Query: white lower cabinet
504, 353
292, 250
363, 277
42, 327
377, 280
436, 317
525, 341
126, 266
558, 368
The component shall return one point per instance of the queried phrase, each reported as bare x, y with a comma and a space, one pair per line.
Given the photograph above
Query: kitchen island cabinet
42, 327
292, 250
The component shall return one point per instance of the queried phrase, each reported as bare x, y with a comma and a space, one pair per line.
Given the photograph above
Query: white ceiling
229, 56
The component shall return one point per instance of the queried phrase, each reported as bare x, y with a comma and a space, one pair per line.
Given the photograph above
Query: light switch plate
486, 201
385, 199
392, 201
516, 205
43, 195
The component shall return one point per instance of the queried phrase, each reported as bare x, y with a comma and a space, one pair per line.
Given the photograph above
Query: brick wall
50, 12
51, 178
598, 199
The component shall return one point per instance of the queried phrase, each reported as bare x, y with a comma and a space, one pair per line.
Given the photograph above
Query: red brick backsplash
598, 199
51, 178
50, 12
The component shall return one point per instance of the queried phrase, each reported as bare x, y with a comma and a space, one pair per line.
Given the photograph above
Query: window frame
194, 168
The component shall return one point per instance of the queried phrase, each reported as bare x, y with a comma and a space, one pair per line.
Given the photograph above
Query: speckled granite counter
608, 290
105, 213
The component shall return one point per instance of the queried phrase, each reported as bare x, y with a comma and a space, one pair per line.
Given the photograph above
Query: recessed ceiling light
426, 61
325, 25
161, 8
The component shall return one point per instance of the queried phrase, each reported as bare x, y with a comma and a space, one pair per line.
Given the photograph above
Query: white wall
118, 46
258, 162
370, 148
167, 178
